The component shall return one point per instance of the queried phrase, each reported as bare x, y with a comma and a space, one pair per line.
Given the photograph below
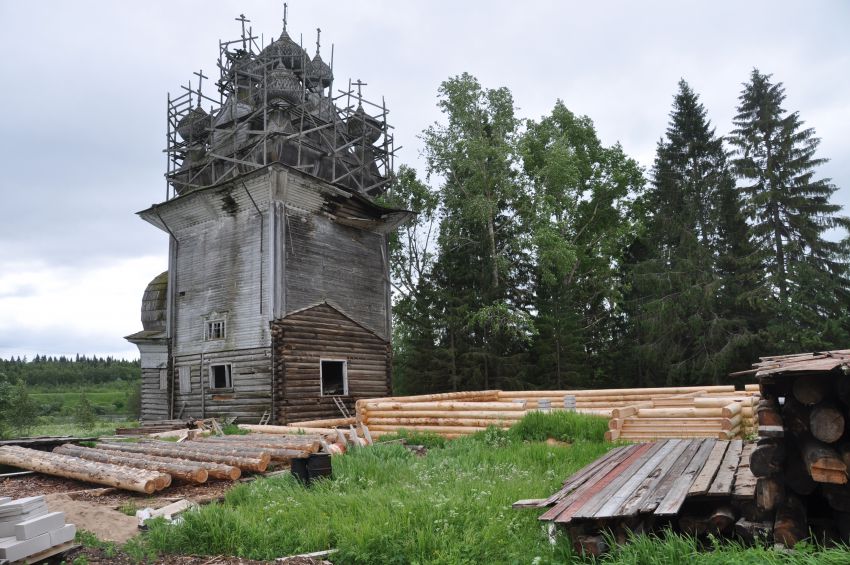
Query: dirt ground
99, 510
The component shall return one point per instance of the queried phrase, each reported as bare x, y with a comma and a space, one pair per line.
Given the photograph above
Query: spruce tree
789, 212
686, 323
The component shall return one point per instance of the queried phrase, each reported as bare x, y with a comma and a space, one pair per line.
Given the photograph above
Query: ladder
264, 419
341, 407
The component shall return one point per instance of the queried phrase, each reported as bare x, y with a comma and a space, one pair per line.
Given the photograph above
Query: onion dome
286, 51
230, 111
193, 126
362, 124
318, 74
153, 303
280, 84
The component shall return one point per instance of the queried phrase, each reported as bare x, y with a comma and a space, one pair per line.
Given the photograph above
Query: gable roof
335, 307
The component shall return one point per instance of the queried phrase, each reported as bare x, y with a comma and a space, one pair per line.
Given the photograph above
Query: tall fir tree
687, 326
789, 212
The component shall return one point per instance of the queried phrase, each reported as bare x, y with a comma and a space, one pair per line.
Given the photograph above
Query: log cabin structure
276, 302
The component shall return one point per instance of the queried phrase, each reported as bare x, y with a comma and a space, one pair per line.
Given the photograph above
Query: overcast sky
83, 90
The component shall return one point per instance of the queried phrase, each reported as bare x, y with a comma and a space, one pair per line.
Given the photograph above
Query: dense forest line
542, 258
64, 371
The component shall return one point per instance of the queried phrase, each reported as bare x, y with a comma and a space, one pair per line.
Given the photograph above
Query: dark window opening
220, 376
334, 378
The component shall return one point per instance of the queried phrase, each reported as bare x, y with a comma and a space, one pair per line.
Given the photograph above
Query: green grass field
452, 506
107, 399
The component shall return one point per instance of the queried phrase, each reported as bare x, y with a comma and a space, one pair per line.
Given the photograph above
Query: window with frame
333, 375
184, 374
215, 329
220, 376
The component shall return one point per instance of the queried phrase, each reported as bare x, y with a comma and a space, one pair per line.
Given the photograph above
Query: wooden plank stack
803, 452
693, 486
28, 530
721, 416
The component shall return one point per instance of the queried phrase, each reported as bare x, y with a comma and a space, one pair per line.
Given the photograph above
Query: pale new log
790, 526
627, 411
329, 423
444, 406
680, 413
483, 414
189, 473
720, 401
286, 430
826, 422
812, 389
483, 395
438, 422
74, 468
436, 429
248, 464
676, 423
732, 409
613, 391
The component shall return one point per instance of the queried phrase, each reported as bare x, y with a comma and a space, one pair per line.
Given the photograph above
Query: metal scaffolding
276, 104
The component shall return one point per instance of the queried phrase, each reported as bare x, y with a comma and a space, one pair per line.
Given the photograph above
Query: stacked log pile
693, 486
460, 413
801, 461
689, 415
150, 465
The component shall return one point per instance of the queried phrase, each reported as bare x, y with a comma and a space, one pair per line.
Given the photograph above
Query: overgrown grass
386, 505
453, 506
560, 425
671, 549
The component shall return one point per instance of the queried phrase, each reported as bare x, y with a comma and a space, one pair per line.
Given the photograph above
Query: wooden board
682, 485
745, 481
618, 479
633, 497
706, 476
580, 476
577, 489
725, 478
592, 488
659, 490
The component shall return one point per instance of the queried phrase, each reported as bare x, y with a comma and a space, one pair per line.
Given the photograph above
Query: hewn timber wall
220, 267
247, 399
302, 340
154, 360
328, 261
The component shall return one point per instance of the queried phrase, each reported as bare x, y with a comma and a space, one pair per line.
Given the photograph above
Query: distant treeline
68, 371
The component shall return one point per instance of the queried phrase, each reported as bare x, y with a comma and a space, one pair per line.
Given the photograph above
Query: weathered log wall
302, 340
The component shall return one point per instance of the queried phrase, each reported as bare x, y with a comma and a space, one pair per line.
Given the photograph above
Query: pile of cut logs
458, 413
150, 465
803, 449
721, 416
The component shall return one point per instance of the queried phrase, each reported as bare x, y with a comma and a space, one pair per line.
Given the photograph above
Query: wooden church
276, 302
